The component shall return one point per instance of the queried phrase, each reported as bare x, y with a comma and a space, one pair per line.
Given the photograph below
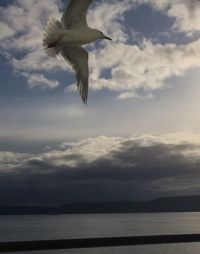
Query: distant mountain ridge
166, 204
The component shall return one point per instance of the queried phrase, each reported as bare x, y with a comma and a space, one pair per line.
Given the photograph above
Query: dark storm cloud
126, 169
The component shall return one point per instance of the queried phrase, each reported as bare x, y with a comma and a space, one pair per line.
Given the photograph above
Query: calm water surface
45, 227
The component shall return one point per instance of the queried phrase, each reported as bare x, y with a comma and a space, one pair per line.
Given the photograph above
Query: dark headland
167, 204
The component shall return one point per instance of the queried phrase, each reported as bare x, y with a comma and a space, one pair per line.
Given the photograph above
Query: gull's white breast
77, 37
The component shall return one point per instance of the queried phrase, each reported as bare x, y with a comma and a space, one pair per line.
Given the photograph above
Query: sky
138, 138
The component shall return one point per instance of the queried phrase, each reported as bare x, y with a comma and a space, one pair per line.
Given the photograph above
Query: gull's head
102, 36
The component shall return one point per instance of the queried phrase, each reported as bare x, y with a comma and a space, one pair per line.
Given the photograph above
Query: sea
48, 227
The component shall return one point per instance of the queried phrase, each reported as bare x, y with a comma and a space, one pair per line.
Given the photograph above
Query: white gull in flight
68, 36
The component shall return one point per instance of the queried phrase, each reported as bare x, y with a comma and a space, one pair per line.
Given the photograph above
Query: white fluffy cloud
35, 80
185, 12
123, 167
79, 153
132, 67
9, 160
111, 24
23, 24
147, 66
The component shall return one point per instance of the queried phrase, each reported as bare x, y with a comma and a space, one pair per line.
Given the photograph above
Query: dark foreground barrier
96, 242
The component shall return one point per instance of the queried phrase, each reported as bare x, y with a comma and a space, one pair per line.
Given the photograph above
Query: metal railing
96, 242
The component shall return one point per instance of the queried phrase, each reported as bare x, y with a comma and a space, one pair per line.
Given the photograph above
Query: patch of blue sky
14, 86
145, 21
11, 85
106, 74
6, 2
149, 23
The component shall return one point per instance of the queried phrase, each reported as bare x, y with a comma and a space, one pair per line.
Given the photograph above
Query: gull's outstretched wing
78, 58
75, 14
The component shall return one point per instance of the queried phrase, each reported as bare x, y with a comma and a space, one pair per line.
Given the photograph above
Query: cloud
134, 94
23, 24
39, 80
146, 67
10, 160
132, 67
6, 31
111, 24
105, 168
185, 13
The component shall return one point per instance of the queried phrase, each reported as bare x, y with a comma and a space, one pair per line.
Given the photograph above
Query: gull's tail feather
51, 36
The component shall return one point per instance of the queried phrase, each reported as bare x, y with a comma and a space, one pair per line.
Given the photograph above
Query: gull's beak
107, 38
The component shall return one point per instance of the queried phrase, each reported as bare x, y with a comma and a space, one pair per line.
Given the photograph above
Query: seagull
67, 37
